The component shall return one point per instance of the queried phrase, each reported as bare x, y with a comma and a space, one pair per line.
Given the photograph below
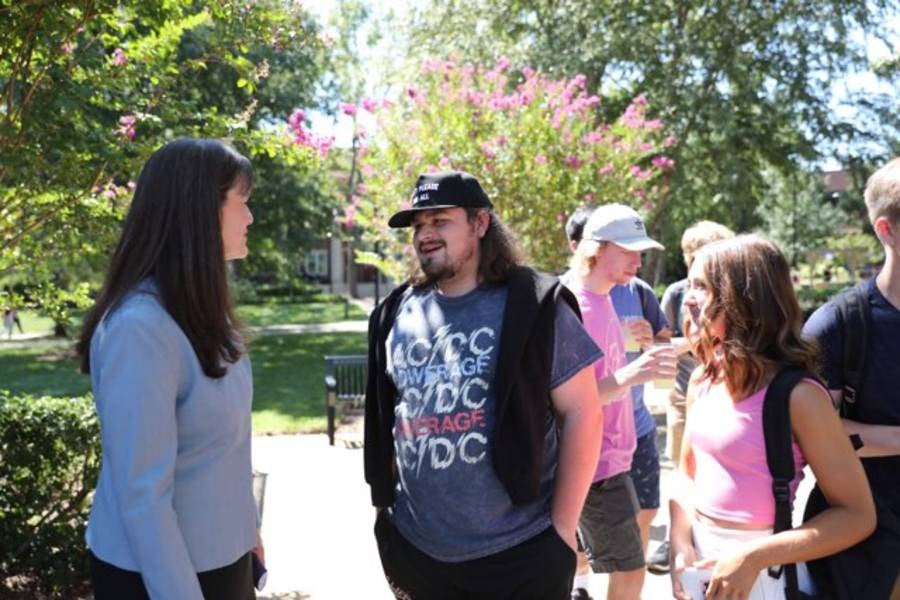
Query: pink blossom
445, 163
131, 184
474, 97
572, 161
502, 64
640, 193
432, 65
348, 108
593, 137
127, 126
669, 141
653, 124
646, 147
500, 140
118, 58
386, 103
488, 152
323, 145
412, 92
540, 159
640, 100
296, 119
369, 105
528, 72
640, 173
608, 169
109, 192
349, 215
647, 206
367, 170
68, 47
663, 162
589, 197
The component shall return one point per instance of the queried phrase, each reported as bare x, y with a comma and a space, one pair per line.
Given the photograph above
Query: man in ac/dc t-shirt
482, 413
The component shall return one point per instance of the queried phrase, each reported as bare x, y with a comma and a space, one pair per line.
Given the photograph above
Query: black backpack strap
780, 458
856, 323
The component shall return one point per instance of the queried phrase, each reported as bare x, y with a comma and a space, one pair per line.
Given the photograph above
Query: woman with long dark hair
744, 322
173, 514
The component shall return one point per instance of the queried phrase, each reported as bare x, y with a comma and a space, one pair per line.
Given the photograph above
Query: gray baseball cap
620, 225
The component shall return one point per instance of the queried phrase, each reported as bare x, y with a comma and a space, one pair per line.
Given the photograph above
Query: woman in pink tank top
744, 323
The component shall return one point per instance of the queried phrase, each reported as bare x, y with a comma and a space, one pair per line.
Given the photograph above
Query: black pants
540, 568
232, 582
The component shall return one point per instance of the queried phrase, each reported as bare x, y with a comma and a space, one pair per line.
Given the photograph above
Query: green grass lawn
288, 373
42, 368
288, 379
254, 315
260, 315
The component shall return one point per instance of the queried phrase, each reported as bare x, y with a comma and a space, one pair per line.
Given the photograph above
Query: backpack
846, 575
855, 321
780, 459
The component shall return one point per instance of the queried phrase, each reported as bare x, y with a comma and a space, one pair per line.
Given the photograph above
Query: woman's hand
685, 556
259, 550
733, 576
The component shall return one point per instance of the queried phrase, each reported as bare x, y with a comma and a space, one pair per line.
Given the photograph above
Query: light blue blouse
174, 495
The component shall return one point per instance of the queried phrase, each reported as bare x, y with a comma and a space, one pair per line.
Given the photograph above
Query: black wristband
856, 441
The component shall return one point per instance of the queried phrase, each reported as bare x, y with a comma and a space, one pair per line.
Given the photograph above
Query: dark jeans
232, 582
540, 568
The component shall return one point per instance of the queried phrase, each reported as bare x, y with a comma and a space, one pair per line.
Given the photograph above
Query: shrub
49, 463
535, 143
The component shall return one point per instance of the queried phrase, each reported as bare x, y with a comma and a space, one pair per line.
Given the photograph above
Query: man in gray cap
608, 256
482, 413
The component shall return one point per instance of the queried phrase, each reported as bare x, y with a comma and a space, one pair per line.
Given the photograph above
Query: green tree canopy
89, 88
742, 86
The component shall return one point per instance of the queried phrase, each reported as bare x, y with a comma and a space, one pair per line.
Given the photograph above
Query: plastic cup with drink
632, 344
664, 383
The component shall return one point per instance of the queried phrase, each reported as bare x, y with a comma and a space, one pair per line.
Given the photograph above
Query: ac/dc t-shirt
442, 356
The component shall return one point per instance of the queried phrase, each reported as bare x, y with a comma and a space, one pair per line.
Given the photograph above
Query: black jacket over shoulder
521, 384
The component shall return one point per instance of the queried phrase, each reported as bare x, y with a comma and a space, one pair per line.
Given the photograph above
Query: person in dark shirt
875, 416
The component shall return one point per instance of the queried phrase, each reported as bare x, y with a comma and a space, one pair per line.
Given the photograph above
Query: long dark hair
498, 253
172, 233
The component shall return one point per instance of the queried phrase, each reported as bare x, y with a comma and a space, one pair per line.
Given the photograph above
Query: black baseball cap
443, 189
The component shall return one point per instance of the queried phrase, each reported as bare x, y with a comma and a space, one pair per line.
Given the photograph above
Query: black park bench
345, 386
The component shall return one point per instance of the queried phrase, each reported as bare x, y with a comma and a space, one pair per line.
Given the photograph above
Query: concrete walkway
317, 521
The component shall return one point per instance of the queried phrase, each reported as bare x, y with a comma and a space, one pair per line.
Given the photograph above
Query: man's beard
436, 271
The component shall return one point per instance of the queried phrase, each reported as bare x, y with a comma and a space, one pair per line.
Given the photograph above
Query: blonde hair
585, 257
700, 234
749, 283
883, 193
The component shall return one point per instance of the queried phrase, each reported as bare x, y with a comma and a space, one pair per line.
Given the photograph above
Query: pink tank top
732, 480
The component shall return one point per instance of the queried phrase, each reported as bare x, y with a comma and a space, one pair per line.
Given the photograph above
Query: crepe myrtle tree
535, 143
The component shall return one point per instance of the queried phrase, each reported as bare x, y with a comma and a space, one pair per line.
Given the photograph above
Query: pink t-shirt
732, 480
619, 439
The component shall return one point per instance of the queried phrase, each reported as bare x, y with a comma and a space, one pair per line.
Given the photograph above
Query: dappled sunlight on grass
288, 373
42, 368
260, 315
